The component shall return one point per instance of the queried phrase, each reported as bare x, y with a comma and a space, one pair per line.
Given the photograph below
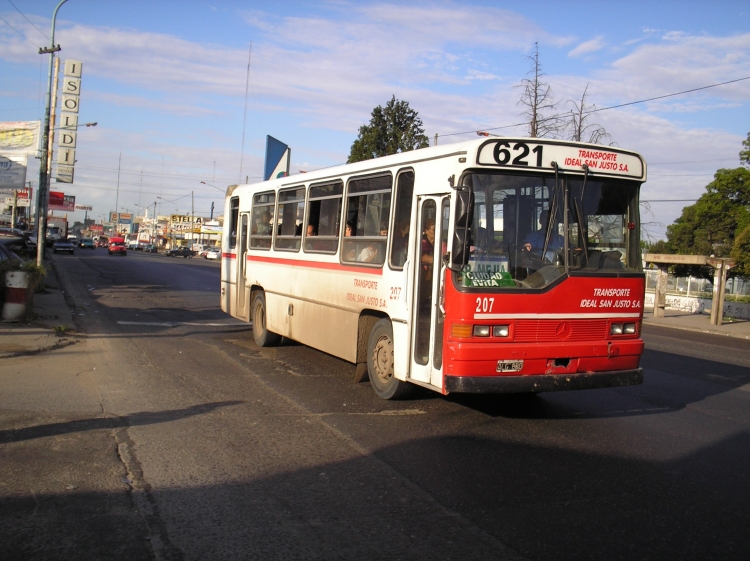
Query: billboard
61, 201
24, 196
12, 172
19, 138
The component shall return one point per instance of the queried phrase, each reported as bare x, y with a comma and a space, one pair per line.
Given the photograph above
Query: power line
27, 19
16, 30
607, 108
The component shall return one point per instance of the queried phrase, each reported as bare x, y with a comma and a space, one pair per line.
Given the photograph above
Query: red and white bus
494, 265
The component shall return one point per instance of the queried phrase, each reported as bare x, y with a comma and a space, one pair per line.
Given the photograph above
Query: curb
743, 336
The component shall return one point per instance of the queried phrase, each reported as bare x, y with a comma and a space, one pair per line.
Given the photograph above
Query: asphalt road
205, 446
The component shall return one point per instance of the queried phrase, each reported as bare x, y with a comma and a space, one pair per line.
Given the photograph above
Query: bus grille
535, 331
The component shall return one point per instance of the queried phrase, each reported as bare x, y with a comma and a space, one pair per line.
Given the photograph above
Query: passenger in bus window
311, 230
370, 253
400, 243
428, 249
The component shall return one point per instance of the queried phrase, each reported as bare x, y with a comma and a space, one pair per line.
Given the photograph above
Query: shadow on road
136, 419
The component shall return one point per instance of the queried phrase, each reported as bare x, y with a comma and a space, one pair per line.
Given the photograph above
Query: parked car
180, 252
213, 253
150, 248
63, 246
118, 248
86, 243
6, 249
23, 245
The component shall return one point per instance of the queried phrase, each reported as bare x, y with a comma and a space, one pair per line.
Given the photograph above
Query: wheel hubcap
383, 359
260, 318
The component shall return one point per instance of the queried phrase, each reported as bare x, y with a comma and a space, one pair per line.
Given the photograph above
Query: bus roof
522, 154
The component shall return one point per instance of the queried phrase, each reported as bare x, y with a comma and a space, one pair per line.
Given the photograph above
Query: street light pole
42, 191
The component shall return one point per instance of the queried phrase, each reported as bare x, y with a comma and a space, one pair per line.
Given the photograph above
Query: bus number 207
484, 305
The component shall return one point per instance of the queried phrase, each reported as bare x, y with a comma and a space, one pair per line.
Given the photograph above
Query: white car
213, 253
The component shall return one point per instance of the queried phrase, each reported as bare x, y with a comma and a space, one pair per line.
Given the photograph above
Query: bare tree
578, 127
537, 98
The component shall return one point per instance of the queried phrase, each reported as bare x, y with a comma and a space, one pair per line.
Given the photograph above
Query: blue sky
166, 81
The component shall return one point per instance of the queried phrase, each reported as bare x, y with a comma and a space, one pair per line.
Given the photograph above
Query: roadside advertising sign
61, 201
98, 228
125, 218
71, 101
24, 193
84, 207
185, 219
20, 138
12, 172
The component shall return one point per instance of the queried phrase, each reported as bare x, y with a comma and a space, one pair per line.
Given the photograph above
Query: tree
741, 253
394, 128
579, 129
714, 224
745, 153
537, 98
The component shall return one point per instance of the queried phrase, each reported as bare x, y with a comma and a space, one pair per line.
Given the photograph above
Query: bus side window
234, 205
323, 218
261, 230
402, 219
289, 221
368, 208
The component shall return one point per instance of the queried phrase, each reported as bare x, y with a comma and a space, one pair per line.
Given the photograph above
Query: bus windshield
527, 231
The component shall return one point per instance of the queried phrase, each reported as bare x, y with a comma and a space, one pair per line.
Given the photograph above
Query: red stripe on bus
229, 255
316, 265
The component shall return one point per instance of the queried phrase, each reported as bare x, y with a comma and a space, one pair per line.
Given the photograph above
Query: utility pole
42, 191
117, 195
192, 220
14, 212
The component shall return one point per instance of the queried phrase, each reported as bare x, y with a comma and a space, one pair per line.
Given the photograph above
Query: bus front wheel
380, 363
263, 337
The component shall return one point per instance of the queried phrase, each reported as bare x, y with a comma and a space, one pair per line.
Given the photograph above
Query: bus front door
429, 272
241, 308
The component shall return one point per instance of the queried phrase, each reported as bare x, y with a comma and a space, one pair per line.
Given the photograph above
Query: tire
380, 363
263, 337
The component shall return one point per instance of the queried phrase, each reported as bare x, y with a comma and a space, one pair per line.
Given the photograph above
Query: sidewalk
698, 322
50, 328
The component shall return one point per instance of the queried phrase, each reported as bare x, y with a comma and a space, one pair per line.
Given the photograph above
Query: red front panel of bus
566, 329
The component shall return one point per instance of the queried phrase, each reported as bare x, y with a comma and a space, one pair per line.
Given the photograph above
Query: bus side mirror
461, 231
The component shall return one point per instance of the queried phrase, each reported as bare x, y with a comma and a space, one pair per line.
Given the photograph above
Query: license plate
509, 365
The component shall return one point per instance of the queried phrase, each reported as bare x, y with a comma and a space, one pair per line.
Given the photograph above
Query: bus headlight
629, 329
481, 331
616, 329
500, 331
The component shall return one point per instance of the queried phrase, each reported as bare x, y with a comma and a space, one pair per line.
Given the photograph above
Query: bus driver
534, 242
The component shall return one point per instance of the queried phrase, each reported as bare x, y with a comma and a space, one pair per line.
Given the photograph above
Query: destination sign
522, 154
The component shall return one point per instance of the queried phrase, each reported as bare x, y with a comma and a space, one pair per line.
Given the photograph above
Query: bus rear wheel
380, 363
263, 337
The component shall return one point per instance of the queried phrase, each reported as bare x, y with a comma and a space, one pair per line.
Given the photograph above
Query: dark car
119, 248
180, 252
150, 248
63, 246
86, 244
6, 249
20, 245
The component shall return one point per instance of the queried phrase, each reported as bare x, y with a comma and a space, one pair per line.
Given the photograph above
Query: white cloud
595, 44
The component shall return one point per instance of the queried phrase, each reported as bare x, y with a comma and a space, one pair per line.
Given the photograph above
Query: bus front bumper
542, 383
